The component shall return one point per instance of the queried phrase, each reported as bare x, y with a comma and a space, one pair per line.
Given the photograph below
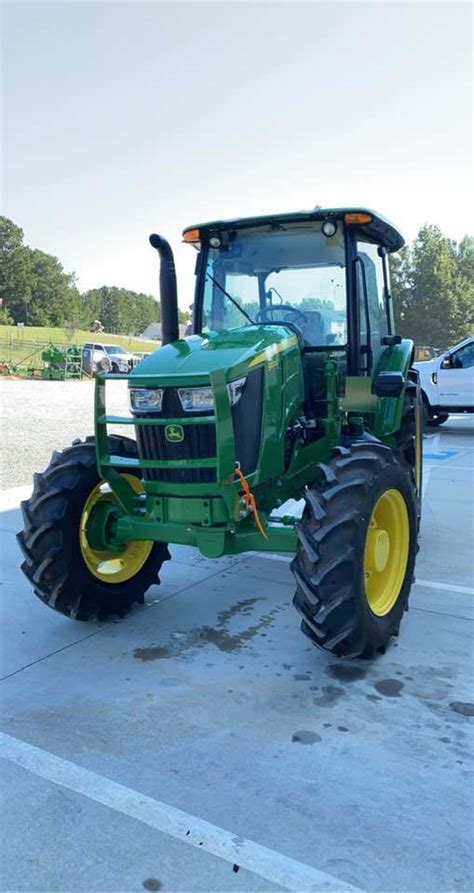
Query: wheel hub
100, 521
386, 552
378, 548
101, 559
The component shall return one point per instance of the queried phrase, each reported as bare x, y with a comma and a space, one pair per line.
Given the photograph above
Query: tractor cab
322, 274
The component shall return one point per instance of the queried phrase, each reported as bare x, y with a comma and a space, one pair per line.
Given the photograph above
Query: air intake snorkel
168, 290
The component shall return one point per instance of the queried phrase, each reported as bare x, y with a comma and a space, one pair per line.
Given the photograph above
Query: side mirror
447, 363
389, 384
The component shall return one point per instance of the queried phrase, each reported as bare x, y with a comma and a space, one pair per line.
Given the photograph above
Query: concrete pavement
203, 744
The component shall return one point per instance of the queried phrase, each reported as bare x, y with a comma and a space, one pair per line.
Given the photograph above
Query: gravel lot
41, 416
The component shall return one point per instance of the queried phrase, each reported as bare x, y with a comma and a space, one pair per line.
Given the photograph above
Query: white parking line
449, 587
271, 555
431, 584
426, 478
459, 446
434, 445
268, 864
448, 466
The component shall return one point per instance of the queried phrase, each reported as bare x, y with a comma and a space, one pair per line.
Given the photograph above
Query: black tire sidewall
419, 410
72, 553
82, 581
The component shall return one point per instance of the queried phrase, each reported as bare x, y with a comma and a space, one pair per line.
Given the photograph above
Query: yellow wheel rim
112, 567
386, 552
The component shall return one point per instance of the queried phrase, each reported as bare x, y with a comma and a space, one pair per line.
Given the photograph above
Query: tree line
36, 290
432, 283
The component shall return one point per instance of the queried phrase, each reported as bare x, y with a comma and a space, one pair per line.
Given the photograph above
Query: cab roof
379, 228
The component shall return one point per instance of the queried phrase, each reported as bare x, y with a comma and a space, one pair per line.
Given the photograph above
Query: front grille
200, 440
199, 443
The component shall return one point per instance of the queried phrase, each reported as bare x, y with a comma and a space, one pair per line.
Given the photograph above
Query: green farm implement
61, 363
293, 385
28, 359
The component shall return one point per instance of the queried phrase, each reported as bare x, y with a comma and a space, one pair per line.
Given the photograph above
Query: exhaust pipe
168, 290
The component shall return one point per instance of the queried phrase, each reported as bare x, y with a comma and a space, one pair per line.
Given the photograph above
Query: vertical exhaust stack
168, 290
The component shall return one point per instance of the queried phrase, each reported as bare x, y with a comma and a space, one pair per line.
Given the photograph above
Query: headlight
235, 390
201, 399
146, 399
196, 399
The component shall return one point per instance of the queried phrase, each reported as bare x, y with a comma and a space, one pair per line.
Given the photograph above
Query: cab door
456, 378
373, 317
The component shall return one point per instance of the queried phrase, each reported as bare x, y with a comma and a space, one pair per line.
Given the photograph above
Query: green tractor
293, 386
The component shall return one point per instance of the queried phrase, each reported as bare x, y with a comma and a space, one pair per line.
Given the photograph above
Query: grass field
23, 345
47, 335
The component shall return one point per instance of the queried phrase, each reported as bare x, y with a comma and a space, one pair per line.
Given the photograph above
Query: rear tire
409, 437
50, 541
432, 419
329, 566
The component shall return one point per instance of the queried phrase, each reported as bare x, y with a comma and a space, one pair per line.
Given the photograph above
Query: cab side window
370, 278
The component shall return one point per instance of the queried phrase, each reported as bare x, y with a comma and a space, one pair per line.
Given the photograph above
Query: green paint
391, 359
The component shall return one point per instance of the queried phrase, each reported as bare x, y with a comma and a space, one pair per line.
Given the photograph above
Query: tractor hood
232, 351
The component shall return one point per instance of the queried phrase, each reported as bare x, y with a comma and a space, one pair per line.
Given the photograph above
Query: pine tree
433, 289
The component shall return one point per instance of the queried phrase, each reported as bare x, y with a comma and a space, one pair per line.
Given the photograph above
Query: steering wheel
266, 314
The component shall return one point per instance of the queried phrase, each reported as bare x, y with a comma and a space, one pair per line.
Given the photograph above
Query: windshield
293, 274
114, 348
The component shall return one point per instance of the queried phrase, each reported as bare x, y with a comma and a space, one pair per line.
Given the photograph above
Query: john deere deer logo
174, 433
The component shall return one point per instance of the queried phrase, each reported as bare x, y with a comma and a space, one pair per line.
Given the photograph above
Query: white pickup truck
447, 382
101, 357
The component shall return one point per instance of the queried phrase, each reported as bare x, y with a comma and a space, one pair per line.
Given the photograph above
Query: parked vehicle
447, 382
100, 357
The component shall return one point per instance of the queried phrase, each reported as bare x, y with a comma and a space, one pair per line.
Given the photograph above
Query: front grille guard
107, 463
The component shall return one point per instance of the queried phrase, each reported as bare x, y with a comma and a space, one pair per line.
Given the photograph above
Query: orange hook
250, 499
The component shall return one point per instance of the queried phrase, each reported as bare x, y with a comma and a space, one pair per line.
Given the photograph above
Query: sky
122, 119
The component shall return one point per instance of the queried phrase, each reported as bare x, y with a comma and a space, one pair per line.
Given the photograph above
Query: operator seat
313, 330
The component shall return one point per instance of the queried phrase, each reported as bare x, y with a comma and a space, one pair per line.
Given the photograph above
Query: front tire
66, 573
356, 555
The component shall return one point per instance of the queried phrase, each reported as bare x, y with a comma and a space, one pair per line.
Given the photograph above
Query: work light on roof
329, 228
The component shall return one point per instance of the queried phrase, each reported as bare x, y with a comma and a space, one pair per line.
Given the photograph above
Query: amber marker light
357, 218
192, 235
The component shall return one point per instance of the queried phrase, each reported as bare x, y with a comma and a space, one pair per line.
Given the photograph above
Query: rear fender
394, 358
